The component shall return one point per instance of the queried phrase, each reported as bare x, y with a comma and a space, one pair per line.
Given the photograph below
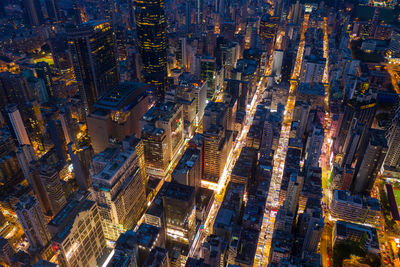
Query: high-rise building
33, 12
314, 146
366, 236
147, 237
354, 208
34, 123
352, 143
300, 116
77, 233
53, 10
269, 28
33, 222
68, 126
56, 133
191, 92
312, 69
18, 125
151, 32
118, 187
362, 108
392, 159
394, 46
296, 12
188, 169
14, 89
158, 257
47, 187
80, 158
93, 51
163, 136
215, 113
126, 251
217, 144
6, 251
37, 86
179, 202
207, 70
117, 114
293, 193
155, 143
25, 155
314, 222
277, 63
369, 162
43, 72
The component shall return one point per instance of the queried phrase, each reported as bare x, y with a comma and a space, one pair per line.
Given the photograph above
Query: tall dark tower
150, 23
2, 8
94, 57
32, 12
53, 10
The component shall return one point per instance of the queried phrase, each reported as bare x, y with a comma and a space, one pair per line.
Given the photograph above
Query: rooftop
179, 191
64, 220
187, 161
123, 96
106, 164
345, 196
161, 112
147, 234
26, 203
316, 89
156, 257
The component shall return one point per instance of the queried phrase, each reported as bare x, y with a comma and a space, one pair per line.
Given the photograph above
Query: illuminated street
272, 203
200, 133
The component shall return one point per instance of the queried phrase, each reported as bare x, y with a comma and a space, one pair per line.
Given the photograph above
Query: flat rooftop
64, 220
187, 161
161, 112
107, 163
179, 191
147, 234
124, 95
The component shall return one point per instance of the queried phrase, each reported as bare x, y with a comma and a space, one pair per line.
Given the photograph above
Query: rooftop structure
354, 208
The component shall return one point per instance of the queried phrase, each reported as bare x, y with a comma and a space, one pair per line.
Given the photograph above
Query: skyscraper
217, 144
314, 146
6, 251
32, 12
33, 222
269, 28
151, 24
48, 188
43, 72
53, 10
118, 113
207, 73
188, 169
312, 69
314, 222
179, 210
2, 8
369, 162
293, 193
163, 136
77, 233
118, 187
94, 57
392, 159
14, 89
18, 125
80, 158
